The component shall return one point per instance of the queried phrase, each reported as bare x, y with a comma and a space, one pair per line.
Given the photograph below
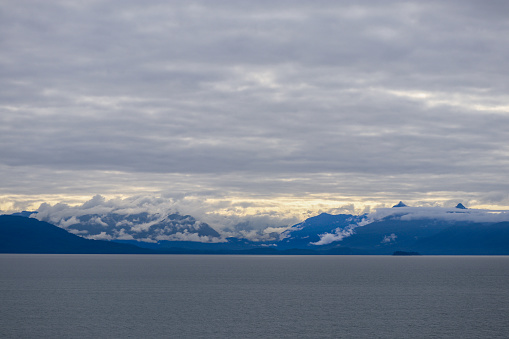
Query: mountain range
400, 230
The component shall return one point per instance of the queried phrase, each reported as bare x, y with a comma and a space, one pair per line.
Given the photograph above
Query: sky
271, 109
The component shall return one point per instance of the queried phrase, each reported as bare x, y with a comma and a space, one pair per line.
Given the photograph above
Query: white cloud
389, 238
98, 220
338, 235
121, 235
77, 232
64, 223
277, 230
100, 236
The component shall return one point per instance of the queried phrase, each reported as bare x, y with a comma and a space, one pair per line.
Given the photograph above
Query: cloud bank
440, 213
152, 219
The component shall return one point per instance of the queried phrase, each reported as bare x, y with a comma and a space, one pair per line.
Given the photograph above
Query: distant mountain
423, 230
27, 235
138, 226
390, 234
412, 229
428, 236
307, 233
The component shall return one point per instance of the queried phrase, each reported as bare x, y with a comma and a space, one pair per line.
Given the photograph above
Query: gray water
172, 296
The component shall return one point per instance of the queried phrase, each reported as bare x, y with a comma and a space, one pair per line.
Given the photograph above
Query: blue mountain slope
26, 235
303, 234
391, 234
468, 239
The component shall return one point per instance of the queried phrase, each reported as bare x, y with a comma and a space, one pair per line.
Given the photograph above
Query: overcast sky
259, 106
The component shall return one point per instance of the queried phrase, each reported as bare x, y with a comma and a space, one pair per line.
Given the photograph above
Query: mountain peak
400, 204
460, 205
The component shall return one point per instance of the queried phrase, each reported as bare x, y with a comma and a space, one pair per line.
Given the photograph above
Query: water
135, 296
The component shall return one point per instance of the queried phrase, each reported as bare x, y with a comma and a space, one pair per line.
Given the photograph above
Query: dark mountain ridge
27, 235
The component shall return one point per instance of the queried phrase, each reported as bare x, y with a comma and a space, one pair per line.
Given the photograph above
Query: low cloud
137, 216
440, 213
389, 238
77, 232
340, 233
122, 235
100, 236
64, 223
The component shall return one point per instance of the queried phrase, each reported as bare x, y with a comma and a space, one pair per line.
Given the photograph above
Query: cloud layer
265, 100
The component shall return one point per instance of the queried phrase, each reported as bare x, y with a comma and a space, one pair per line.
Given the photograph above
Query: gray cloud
372, 101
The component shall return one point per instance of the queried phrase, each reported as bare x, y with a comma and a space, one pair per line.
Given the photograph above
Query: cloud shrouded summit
361, 102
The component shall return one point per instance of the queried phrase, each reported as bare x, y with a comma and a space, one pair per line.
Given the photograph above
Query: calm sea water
144, 296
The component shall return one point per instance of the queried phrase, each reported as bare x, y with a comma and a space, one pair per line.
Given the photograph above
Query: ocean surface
202, 296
